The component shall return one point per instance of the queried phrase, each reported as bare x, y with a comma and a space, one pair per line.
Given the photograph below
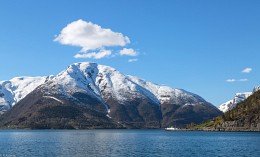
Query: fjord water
82, 143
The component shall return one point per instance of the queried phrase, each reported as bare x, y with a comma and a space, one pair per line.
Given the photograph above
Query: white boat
171, 129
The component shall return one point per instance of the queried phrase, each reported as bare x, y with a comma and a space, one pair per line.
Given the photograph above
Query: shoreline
163, 129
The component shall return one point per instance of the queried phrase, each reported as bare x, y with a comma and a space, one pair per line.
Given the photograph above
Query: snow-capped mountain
126, 99
14, 90
256, 89
239, 97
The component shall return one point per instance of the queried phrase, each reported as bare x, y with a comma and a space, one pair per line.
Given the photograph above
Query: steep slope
179, 107
127, 100
16, 89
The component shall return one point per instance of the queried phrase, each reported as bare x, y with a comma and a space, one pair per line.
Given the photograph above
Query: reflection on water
128, 143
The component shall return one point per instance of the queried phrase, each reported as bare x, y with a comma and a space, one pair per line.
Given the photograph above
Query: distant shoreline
163, 129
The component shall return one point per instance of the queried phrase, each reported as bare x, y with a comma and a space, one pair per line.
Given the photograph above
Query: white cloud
132, 60
90, 36
243, 80
234, 80
128, 52
230, 80
96, 55
94, 41
247, 70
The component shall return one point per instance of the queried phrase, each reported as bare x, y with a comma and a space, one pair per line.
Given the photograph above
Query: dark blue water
128, 143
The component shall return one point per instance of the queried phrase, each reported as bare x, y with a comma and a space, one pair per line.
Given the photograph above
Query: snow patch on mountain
51, 97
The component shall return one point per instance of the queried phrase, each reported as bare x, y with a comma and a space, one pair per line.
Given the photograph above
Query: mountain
245, 116
256, 89
16, 89
239, 97
88, 95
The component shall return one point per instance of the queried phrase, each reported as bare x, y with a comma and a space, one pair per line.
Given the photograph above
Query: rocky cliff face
240, 125
116, 99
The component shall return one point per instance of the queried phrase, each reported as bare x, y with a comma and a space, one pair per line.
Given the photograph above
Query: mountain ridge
123, 98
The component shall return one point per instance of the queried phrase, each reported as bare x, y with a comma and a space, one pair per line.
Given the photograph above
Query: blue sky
193, 45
